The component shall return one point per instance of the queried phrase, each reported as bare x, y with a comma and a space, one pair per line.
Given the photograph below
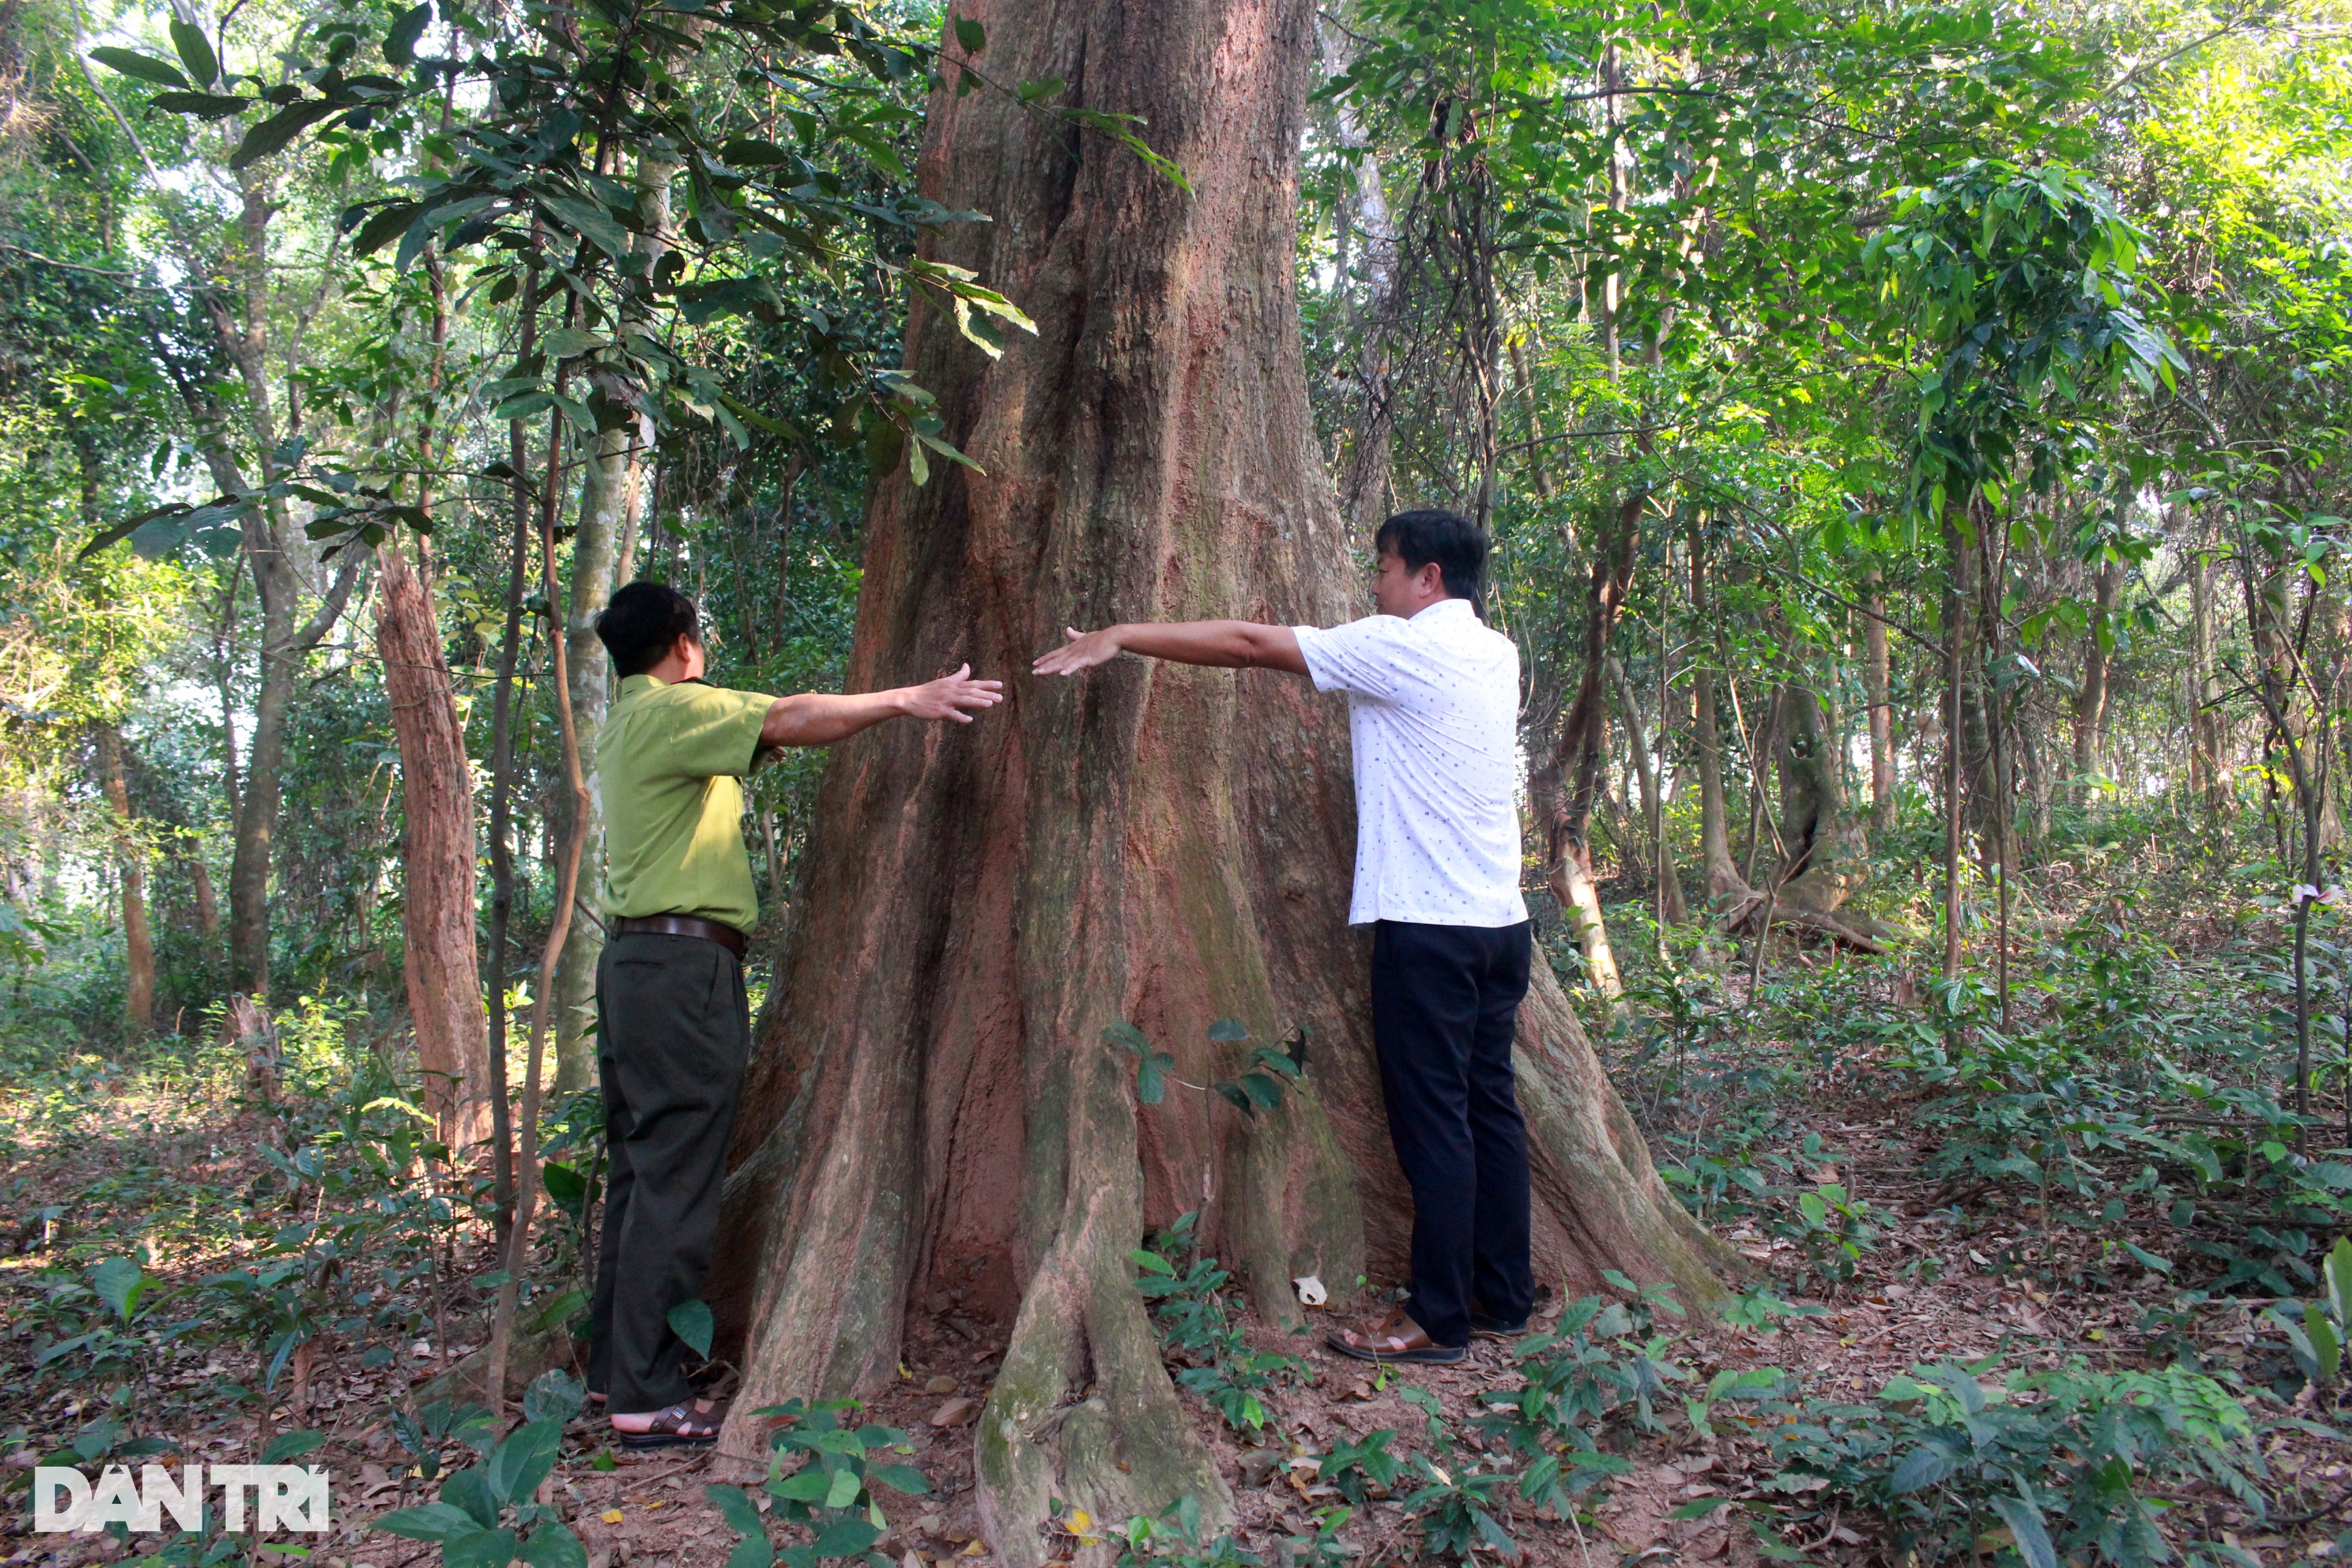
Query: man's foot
690, 1423
1396, 1338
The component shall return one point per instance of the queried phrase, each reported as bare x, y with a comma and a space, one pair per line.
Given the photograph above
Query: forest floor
123, 1160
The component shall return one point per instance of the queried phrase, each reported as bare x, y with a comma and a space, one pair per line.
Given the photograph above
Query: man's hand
1083, 651
949, 695
1219, 645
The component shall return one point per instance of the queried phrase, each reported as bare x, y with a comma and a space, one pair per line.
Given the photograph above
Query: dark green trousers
673, 1033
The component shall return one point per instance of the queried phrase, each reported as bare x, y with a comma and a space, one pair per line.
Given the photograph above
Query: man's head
649, 625
1425, 556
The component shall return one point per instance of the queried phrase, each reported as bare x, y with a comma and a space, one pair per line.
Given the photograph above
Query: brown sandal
1393, 1341
679, 1426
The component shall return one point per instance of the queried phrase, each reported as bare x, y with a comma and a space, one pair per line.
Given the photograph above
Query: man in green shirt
674, 1029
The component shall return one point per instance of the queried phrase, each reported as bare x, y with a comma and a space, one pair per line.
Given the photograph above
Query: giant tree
934, 1103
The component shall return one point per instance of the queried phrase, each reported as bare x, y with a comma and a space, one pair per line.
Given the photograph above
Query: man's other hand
1083, 651
950, 695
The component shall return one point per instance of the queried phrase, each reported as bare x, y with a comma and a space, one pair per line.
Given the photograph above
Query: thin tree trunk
1725, 886
933, 1104
1955, 748
1876, 683
1670, 887
517, 1256
603, 487
2208, 763
137, 943
2091, 701
437, 860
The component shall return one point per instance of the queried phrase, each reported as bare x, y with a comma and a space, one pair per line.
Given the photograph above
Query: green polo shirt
668, 759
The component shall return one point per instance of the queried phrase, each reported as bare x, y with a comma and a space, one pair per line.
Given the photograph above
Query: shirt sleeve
1360, 658
711, 731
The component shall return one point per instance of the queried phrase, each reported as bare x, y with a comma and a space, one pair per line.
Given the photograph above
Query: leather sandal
1397, 1337
682, 1426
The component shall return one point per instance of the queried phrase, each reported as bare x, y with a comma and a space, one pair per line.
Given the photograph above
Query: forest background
1913, 441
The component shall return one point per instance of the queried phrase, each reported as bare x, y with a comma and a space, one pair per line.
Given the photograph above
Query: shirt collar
1444, 609
634, 683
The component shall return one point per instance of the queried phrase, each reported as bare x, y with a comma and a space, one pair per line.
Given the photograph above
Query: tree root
1749, 909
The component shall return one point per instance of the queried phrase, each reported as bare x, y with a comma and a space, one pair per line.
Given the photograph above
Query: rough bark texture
931, 1105
138, 944
444, 993
1827, 858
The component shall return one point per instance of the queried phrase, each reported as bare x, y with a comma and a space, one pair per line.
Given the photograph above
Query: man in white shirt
1432, 704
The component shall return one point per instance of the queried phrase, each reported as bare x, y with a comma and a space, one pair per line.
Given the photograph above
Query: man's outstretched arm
819, 719
1224, 645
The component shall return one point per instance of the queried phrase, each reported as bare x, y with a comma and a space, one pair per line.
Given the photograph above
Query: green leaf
426, 1522
120, 1283
382, 225
570, 342
691, 1322
2024, 1522
1700, 1508
483, 1548
291, 1445
1228, 1031
971, 35
562, 1308
196, 52
2326, 1345
469, 1490
802, 1486
2339, 1270
130, 62
554, 1394
1266, 1090
846, 1485
1232, 1093
1127, 1035
735, 1506
845, 1538
901, 1479
204, 105
590, 221
280, 128
400, 38
1920, 1467
522, 1461
2148, 1260
1043, 87
1151, 1077
552, 1545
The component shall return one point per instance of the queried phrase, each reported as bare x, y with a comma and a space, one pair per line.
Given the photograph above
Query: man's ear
1431, 576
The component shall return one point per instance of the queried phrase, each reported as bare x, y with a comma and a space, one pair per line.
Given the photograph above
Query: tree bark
437, 860
1827, 858
932, 1104
1725, 885
603, 487
1876, 684
2091, 701
1582, 747
137, 942
1661, 852
2209, 759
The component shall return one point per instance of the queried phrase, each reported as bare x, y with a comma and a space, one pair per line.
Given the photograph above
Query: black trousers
1445, 1001
674, 1030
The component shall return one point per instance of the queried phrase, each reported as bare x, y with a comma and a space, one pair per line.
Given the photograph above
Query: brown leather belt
726, 936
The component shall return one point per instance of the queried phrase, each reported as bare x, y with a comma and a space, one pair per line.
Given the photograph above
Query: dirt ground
650, 1511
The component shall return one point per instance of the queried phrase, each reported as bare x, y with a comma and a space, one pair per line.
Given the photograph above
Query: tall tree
934, 1104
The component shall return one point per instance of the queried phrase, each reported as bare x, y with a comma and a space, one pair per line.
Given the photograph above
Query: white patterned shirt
1433, 708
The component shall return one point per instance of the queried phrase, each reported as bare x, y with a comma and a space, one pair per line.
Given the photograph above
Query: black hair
1453, 541
642, 623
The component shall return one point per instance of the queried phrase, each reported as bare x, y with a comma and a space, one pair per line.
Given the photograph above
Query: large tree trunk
138, 944
1583, 749
1827, 856
932, 1104
444, 994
